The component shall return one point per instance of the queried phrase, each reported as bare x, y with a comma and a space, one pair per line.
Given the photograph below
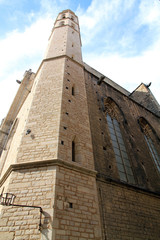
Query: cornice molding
47, 163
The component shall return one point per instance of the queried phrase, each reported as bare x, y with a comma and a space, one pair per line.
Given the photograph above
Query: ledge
58, 57
45, 163
134, 188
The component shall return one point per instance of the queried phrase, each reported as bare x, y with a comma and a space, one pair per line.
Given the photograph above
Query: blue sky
120, 38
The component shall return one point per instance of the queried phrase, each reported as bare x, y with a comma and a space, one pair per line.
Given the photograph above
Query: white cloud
130, 72
18, 45
19, 52
127, 71
22, 50
149, 12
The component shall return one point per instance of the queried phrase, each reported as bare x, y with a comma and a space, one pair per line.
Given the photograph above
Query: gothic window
149, 137
121, 156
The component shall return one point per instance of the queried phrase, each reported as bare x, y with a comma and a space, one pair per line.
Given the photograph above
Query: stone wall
77, 209
67, 196
128, 213
32, 187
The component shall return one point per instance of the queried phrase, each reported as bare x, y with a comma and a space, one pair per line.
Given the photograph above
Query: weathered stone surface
7, 235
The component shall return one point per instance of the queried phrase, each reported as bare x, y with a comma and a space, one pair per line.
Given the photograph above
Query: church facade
80, 155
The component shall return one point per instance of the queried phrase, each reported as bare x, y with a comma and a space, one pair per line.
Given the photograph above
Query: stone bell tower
47, 160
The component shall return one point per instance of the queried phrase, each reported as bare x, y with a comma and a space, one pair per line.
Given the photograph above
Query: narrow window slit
73, 151
72, 91
70, 205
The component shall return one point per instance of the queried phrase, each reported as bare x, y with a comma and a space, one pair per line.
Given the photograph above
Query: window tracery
121, 156
149, 135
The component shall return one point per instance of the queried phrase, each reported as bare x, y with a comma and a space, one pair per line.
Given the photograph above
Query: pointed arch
150, 137
113, 109
113, 114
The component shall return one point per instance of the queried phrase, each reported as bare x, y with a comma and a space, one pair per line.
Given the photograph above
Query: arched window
149, 136
121, 155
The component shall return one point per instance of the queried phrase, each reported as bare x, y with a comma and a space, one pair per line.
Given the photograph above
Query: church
79, 154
